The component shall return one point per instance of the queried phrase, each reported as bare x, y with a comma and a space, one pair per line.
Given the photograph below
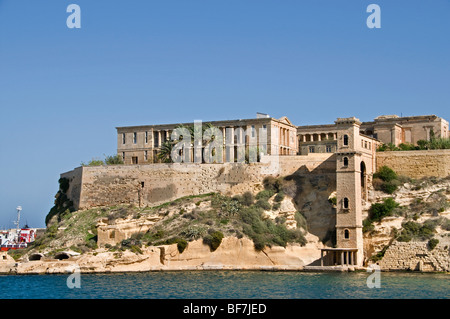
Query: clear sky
63, 91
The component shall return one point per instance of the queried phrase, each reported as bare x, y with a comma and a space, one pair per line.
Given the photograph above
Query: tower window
345, 139
123, 138
346, 234
345, 161
134, 138
146, 137
345, 203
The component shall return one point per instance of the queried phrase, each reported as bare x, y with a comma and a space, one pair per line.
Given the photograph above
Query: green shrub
391, 186
279, 197
248, 199
213, 239
181, 245
432, 243
380, 210
272, 183
93, 162
265, 194
113, 160
385, 173
332, 200
276, 206
263, 203
367, 225
412, 230
301, 221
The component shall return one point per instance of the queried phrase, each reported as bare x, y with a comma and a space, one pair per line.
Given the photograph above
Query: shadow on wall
310, 190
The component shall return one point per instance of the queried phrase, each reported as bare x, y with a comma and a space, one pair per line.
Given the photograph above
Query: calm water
227, 285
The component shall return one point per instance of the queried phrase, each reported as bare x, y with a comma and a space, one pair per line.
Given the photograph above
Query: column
342, 258
230, 145
321, 258
159, 138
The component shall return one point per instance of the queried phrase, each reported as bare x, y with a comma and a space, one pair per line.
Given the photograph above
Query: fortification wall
153, 184
416, 164
416, 256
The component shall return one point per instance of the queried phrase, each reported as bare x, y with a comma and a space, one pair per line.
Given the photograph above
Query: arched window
345, 203
345, 161
345, 139
346, 234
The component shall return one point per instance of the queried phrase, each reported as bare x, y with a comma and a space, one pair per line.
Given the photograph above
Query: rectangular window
328, 148
145, 155
123, 138
146, 137
123, 156
155, 139
134, 160
311, 149
253, 131
134, 138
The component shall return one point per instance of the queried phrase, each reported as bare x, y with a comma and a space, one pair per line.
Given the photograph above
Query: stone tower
349, 181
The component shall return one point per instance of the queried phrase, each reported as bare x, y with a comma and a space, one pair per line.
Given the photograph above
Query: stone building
355, 164
141, 144
386, 128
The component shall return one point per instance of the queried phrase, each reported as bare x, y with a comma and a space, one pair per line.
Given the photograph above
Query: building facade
142, 144
388, 129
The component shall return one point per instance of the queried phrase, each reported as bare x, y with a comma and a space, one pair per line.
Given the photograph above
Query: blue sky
63, 91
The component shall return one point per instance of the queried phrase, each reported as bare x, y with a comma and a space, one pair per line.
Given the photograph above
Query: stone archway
35, 256
62, 256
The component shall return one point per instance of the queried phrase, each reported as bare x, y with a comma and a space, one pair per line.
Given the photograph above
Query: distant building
141, 144
386, 129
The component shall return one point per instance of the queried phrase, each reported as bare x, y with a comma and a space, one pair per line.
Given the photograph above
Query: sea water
227, 285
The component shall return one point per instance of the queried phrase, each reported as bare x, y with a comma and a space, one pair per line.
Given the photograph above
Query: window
123, 156
346, 234
134, 138
123, 138
311, 149
345, 203
142, 184
146, 137
145, 155
155, 139
328, 148
253, 131
345, 161
346, 139
134, 160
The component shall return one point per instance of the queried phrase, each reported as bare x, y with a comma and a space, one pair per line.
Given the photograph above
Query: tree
165, 152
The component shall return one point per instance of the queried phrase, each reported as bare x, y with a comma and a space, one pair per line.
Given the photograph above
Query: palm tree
164, 154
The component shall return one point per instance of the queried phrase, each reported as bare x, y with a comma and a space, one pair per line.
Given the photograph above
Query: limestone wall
153, 184
417, 164
416, 256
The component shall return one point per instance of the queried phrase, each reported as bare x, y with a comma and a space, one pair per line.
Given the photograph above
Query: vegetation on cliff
209, 217
433, 144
